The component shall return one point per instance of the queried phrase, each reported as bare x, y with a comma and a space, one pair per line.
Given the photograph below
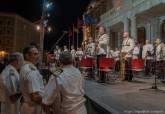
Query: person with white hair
11, 83
66, 86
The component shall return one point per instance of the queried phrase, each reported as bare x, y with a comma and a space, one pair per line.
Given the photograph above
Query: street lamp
38, 27
45, 7
49, 29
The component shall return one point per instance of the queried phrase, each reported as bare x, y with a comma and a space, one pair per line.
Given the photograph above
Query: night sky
64, 14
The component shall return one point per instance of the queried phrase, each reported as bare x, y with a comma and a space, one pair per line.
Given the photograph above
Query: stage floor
126, 97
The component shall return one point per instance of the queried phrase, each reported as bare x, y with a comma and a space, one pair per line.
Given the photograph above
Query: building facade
144, 19
16, 32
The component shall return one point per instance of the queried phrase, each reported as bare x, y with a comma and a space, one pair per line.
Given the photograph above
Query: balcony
114, 12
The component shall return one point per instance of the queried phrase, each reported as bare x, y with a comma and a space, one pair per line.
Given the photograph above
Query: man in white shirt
90, 49
102, 49
73, 51
11, 83
160, 58
79, 54
116, 55
65, 48
127, 47
68, 87
136, 51
32, 86
147, 55
57, 52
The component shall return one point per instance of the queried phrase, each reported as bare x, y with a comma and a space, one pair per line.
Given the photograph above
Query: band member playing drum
110, 53
136, 51
147, 55
102, 48
160, 54
116, 55
127, 47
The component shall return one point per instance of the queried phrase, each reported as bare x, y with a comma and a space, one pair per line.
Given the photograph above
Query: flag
88, 19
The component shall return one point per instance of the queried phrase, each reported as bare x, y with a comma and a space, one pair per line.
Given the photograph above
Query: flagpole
69, 41
73, 35
77, 31
77, 38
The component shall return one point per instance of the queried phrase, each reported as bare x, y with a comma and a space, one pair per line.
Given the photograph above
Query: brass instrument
122, 65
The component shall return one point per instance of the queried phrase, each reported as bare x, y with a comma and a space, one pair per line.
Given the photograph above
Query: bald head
125, 34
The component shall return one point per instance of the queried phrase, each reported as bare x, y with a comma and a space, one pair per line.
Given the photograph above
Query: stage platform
126, 97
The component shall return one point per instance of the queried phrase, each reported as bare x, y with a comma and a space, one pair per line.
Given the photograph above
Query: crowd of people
152, 54
23, 89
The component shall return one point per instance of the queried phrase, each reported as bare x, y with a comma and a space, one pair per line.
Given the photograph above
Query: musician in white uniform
57, 52
68, 87
116, 55
31, 82
127, 47
73, 51
11, 83
102, 49
136, 51
110, 53
147, 55
90, 49
160, 61
65, 48
79, 54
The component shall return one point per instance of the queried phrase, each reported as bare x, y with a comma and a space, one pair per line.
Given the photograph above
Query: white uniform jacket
103, 44
127, 46
11, 86
70, 84
31, 82
147, 48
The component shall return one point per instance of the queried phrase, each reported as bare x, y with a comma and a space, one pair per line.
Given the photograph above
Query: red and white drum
137, 65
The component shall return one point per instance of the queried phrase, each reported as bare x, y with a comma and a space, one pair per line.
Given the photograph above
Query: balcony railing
111, 13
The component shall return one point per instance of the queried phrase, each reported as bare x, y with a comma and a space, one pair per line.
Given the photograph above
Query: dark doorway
163, 31
141, 35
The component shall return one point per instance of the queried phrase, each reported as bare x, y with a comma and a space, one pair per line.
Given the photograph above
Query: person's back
71, 84
68, 86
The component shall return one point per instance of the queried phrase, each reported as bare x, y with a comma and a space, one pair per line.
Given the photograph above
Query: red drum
86, 62
107, 63
137, 64
94, 61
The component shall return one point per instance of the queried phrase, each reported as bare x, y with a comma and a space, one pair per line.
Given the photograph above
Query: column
119, 34
155, 29
133, 28
148, 31
126, 25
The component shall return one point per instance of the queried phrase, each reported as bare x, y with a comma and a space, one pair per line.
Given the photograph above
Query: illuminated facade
16, 32
142, 18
